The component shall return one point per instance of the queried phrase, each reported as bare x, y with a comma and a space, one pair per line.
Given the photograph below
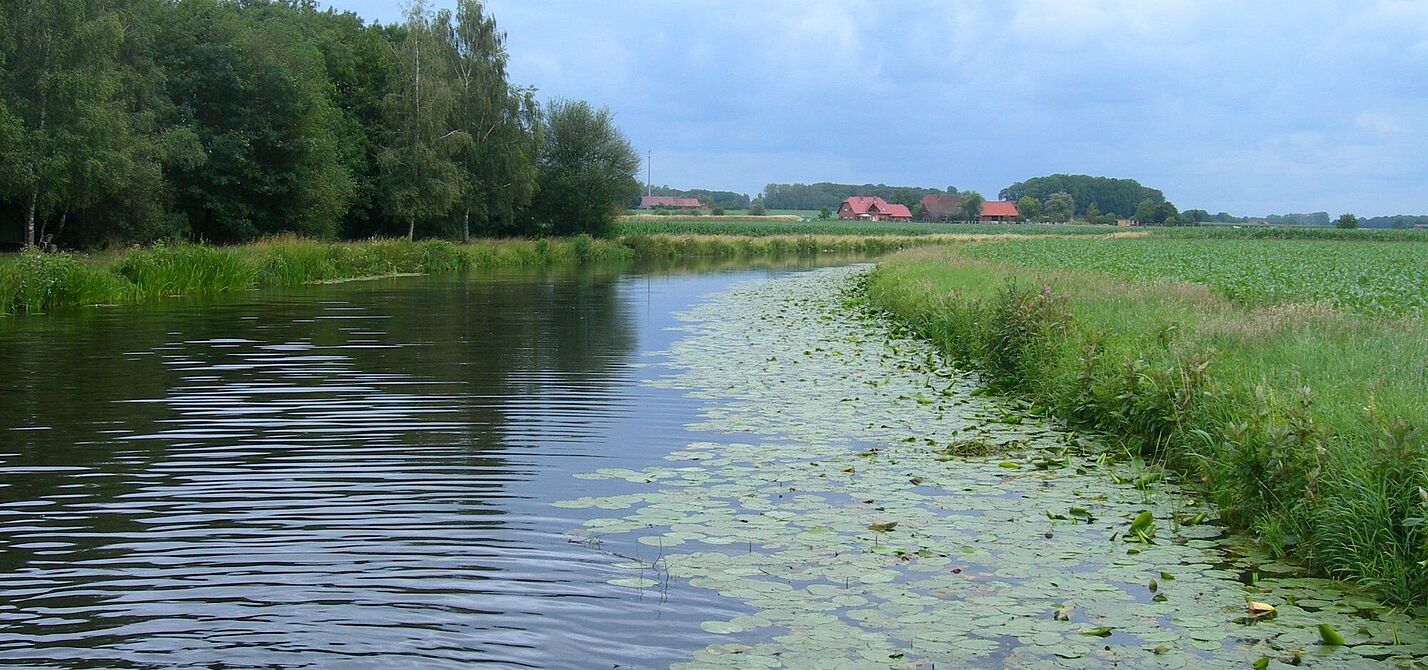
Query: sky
1249, 107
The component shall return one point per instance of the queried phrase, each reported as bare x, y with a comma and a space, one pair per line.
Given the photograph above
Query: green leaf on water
1329, 636
882, 527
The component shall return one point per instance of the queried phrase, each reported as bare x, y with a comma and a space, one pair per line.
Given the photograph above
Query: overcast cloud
1249, 107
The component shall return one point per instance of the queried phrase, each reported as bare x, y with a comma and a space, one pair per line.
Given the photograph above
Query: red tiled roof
938, 205
999, 208
653, 201
896, 210
860, 204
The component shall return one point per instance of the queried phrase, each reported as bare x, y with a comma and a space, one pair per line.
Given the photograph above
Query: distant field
1366, 277
758, 228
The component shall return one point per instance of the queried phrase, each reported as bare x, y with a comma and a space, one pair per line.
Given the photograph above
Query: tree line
1119, 197
830, 195
228, 120
715, 199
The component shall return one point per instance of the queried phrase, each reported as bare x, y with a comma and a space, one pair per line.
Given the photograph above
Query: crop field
1365, 277
755, 228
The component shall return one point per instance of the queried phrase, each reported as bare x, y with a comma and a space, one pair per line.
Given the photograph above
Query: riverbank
1302, 422
34, 282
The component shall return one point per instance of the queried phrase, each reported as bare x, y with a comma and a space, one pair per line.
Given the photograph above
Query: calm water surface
356, 475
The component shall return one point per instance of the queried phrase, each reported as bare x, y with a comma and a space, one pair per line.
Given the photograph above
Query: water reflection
353, 475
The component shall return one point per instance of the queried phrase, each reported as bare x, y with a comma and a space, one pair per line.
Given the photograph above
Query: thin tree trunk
64, 216
411, 229
30, 216
466, 226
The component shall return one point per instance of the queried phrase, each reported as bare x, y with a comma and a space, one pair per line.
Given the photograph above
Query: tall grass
35, 282
1304, 424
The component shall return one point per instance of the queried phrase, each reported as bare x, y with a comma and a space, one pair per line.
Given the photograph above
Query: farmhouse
872, 208
667, 202
1000, 210
937, 207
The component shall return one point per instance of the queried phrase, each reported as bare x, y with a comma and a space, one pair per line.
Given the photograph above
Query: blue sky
1248, 107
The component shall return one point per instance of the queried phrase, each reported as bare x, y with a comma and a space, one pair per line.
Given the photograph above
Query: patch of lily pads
874, 510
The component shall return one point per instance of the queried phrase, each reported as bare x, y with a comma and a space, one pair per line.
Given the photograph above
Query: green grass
36, 282
1301, 421
1368, 277
754, 228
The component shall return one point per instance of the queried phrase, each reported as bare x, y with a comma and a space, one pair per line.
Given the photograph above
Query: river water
355, 475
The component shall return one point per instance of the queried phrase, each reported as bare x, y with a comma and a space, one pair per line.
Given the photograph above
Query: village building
940, 207
1000, 210
667, 202
872, 208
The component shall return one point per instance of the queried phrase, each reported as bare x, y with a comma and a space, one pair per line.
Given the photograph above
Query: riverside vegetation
36, 282
1286, 380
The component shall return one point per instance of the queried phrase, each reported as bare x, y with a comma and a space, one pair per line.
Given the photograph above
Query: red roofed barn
938, 207
667, 202
1000, 210
872, 208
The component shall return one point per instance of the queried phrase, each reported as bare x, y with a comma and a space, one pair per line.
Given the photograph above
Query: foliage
760, 226
587, 169
1029, 208
1304, 424
716, 199
830, 195
825, 214
757, 209
1060, 207
209, 120
1115, 196
1347, 222
972, 202
496, 123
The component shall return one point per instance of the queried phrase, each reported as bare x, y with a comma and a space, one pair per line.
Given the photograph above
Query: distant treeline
825, 194
720, 199
1113, 197
227, 120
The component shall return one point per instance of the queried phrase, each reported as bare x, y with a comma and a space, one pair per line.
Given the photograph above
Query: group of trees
715, 199
1118, 197
825, 194
227, 120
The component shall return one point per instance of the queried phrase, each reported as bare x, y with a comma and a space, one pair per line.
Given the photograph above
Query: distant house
937, 207
667, 202
872, 208
999, 210
1126, 223
1420, 226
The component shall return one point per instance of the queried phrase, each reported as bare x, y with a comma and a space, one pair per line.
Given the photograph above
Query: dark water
356, 475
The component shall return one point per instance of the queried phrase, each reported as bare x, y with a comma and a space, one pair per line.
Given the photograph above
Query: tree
496, 123
1166, 215
1093, 213
1060, 207
1117, 196
972, 202
422, 181
756, 208
253, 90
71, 131
587, 169
1028, 207
1145, 212
824, 214
1347, 222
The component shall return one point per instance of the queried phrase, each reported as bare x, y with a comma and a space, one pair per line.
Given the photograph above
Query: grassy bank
1301, 421
35, 282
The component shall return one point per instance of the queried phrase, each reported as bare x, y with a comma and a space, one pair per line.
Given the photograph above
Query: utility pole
649, 173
